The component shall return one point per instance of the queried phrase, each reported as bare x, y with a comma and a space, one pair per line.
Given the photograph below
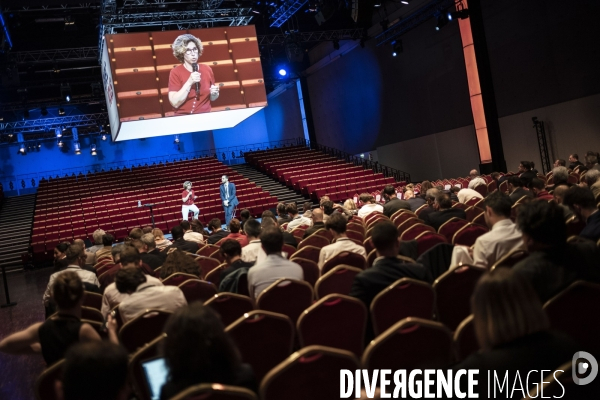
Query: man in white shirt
297, 219
251, 251
369, 205
476, 180
274, 267
467, 194
337, 226
75, 257
502, 238
189, 234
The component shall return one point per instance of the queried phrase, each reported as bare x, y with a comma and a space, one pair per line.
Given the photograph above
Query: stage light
61, 111
397, 47
44, 111
404, 2
104, 136
442, 20
58, 132
176, 139
449, 16
282, 72
93, 150
22, 149
77, 148
65, 91
60, 143
39, 145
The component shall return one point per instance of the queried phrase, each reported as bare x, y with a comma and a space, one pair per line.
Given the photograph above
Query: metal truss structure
44, 56
51, 7
48, 124
285, 11
206, 4
306, 37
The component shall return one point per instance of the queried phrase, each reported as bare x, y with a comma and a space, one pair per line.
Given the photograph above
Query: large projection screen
136, 68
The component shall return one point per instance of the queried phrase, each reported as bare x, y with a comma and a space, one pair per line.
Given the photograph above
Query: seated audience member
467, 194
444, 211
430, 199
516, 189
189, 234
231, 250
349, 208
180, 243
317, 223
251, 251
513, 332
274, 267
559, 194
150, 245
415, 202
393, 203
502, 238
553, 264
75, 259
560, 176
144, 295
425, 186
124, 254
307, 209
128, 257
288, 238
574, 161
107, 242
60, 261
149, 259
526, 172
369, 205
91, 251
327, 207
282, 216
582, 202
336, 224
538, 188
146, 229
58, 332
297, 219
591, 161
216, 232
94, 371
591, 179
159, 238
135, 233
234, 229
198, 227
197, 350
476, 180
454, 193
559, 162
244, 216
178, 261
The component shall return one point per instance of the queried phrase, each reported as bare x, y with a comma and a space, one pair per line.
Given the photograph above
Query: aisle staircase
16, 219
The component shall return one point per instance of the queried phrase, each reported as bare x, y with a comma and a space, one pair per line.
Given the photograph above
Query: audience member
591, 161
231, 250
552, 264
327, 207
107, 243
317, 223
297, 219
574, 161
454, 193
60, 331
559, 195
144, 295
288, 238
444, 211
526, 172
198, 227
91, 251
244, 216
126, 254
559, 162
216, 233
197, 350
135, 233
430, 199
466, 194
189, 234
425, 186
94, 371
307, 209
502, 238
234, 229
369, 206
582, 202
282, 216
180, 243
476, 180
538, 188
393, 203
274, 267
349, 208
60, 260
560, 176
146, 229
336, 224
178, 261
516, 189
415, 202
149, 259
159, 238
251, 252
148, 240
591, 179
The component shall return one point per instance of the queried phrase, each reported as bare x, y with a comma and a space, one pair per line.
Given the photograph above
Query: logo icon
581, 368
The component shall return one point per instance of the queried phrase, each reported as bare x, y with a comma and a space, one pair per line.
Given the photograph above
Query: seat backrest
93, 300
338, 280
177, 278
314, 240
415, 230
143, 329
214, 276
137, 377
308, 374
212, 391
426, 240
401, 218
46, 382
398, 213
368, 244
325, 233
310, 269
345, 257
468, 234
465, 340
230, 306
93, 314
453, 290
207, 250
337, 321
355, 236
479, 219
197, 290
450, 227
308, 252
402, 299
472, 201
472, 212
286, 296
510, 259
263, 338
412, 343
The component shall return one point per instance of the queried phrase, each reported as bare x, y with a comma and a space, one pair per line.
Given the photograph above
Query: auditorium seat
286, 296
230, 306
142, 329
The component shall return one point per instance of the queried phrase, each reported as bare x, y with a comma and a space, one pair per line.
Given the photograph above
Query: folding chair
468, 234
230, 306
92, 300
214, 276
450, 227
510, 259
426, 240
178, 278
415, 230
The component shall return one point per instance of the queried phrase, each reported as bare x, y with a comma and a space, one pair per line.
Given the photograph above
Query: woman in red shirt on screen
191, 85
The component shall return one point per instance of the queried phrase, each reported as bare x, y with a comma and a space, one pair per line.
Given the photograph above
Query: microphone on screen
197, 84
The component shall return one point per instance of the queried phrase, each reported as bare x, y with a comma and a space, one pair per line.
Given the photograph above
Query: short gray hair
560, 174
148, 240
116, 251
97, 235
591, 176
432, 193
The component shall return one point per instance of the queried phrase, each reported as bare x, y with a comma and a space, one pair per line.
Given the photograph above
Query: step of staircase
273, 186
16, 221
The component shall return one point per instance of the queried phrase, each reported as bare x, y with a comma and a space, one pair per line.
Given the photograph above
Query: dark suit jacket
316, 226
394, 205
415, 203
233, 200
288, 238
424, 214
575, 164
152, 260
520, 192
527, 176
160, 254
183, 245
592, 228
436, 219
216, 236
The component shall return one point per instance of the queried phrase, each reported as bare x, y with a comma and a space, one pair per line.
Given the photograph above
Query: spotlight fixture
442, 20
22, 149
176, 139
44, 111
58, 132
65, 92
39, 145
397, 47
77, 148
104, 136
61, 111
60, 143
336, 44
282, 72
405, 2
93, 150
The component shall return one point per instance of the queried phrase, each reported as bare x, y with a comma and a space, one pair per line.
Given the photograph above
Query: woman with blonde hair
160, 240
191, 85
349, 207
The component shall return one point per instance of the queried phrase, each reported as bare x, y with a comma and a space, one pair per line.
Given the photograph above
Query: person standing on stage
228, 198
191, 85
188, 197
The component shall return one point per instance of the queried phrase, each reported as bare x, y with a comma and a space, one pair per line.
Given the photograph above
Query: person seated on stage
274, 267
476, 180
180, 243
187, 198
502, 238
150, 259
393, 203
145, 295
129, 256
444, 211
317, 223
244, 216
146, 229
60, 331
327, 207
150, 243
297, 219
307, 209
516, 189
336, 224
234, 229
282, 216
91, 251
107, 242
189, 234
231, 250
75, 258
466, 194
251, 252
216, 232
369, 205
538, 187
430, 197
159, 239
94, 371
582, 202
574, 162
178, 261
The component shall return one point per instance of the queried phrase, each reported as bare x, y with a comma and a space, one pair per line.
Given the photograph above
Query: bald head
317, 215
79, 242
559, 193
474, 173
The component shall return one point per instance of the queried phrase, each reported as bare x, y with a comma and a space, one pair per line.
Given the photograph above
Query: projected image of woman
191, 85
